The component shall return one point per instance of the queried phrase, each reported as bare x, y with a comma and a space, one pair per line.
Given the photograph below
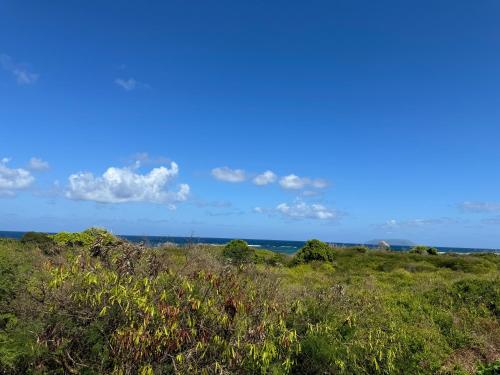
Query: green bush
424, 250
474, 293
41, 240
358, 249
271, 258
419, 267
432, 251
462, 263
19, 322
85, 238
278, 259
202, 322
490, 369
238, 251
314, 250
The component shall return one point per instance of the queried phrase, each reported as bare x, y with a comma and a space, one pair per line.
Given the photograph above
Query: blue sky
343, 120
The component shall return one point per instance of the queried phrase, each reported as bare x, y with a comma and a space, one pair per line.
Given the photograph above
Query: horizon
393, 242
340, 121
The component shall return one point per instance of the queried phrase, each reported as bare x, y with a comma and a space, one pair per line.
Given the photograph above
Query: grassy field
90, 303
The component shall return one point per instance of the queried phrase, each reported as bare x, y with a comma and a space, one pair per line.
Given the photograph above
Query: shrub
238, 251
314, 250
424, 250
271, 258
491, 369
278, 259
41, 240
226, 321
85, 238
475, 293
462, 263
432, 251
358, 249
419, 267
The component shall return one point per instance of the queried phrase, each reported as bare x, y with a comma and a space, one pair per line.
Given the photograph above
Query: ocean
287, 247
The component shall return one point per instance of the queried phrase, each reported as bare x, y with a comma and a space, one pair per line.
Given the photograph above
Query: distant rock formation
384, 245
391, 242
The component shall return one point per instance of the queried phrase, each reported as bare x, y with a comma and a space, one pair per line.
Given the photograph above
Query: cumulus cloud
268, 177
12, 179
37, 164
302, 210
120, 185
20, 71
295, 182
290, 182
479, 207
229, 175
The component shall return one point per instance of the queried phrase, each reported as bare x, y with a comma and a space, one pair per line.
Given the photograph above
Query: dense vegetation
90, 303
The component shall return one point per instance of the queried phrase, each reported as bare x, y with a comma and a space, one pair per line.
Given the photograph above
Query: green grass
101, 305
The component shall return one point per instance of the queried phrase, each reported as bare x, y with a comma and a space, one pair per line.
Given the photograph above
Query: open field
90, 303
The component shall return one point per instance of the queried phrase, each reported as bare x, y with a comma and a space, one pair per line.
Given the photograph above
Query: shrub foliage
314, 250
41, 240
238, 251
424, 250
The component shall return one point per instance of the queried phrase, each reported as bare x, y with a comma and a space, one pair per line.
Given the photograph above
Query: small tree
238, 251
314, 250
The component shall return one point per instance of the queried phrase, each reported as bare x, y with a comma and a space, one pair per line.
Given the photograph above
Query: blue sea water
287, 247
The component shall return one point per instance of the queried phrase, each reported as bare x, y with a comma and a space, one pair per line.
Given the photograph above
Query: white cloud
19, 71
302, 210
24, 77
224, 213
417, 223
319, 183
214, 204
311, 193
229, 175
126, 84
12, 179
130, 84
141, 159
258, 210
479, 207
268, 177
295, 182
37, 164
120, 185
391, 223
